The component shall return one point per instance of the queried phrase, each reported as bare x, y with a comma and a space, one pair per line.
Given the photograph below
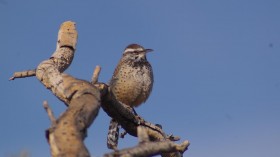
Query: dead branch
49, 112
82, 98
95, 75
23, 74
142, 134
148, 148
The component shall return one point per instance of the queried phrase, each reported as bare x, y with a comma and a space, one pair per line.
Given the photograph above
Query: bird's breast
133, 84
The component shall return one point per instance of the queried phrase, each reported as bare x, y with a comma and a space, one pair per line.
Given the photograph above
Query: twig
95, 75
142, 134
49, 112
152, 126
23, 74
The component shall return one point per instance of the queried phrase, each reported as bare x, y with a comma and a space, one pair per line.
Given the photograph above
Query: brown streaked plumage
132, 81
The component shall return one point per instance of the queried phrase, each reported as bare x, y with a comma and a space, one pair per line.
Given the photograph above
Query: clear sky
216, 67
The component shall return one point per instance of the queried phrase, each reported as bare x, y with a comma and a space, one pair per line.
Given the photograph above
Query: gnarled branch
67, 133
149, 148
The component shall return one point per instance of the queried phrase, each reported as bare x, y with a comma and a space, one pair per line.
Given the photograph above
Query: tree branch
148, 148
23, 74
95, 75
49, 112
82, 98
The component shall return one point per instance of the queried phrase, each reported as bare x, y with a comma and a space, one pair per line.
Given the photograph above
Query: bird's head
135, 52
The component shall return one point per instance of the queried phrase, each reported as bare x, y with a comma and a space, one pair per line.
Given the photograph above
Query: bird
132, 80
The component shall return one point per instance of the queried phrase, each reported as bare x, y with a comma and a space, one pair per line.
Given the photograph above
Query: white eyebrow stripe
131, 50
128, 50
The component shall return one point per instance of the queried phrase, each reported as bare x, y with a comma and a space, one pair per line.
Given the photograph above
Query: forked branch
67, 133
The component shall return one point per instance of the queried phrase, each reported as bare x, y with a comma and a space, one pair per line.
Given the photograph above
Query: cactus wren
132, 81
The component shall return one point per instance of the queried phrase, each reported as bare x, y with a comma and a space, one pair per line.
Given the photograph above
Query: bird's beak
148, 50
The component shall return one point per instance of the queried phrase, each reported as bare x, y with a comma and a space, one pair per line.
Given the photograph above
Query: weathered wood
67, 133
149, 148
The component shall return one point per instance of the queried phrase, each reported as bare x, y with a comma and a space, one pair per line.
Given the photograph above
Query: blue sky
216, 66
